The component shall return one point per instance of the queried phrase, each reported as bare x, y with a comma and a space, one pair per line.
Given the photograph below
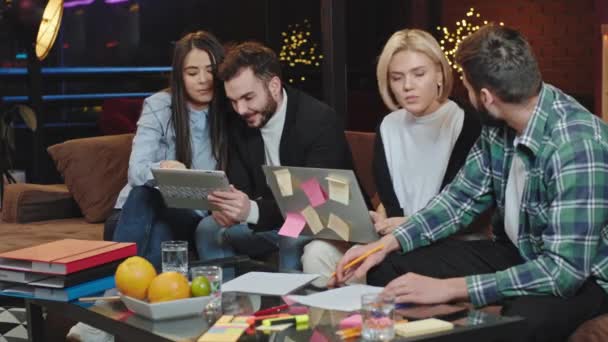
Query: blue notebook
65, 295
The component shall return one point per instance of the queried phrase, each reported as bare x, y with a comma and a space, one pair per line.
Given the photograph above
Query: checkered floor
13, 325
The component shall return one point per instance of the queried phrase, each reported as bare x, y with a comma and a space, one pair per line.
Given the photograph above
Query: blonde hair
417, 41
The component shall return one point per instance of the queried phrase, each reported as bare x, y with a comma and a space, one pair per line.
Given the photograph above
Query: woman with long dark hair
180, 127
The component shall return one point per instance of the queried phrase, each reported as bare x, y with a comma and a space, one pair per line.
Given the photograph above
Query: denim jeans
146, 220
214, 241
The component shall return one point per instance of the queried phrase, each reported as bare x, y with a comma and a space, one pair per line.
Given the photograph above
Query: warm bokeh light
298, 50
452, 37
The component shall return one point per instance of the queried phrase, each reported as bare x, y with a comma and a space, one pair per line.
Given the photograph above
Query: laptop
329, 200
184, 188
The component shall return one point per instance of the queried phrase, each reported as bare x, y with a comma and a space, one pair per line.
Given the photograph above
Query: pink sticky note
353, 321
294, 223
318, 337
315, 193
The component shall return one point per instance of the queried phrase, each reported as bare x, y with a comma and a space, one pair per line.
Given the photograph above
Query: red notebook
66, 256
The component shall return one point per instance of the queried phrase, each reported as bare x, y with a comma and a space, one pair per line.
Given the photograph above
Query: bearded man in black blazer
275, 125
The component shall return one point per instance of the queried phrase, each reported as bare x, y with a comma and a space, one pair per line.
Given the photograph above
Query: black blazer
471, 129
313, 136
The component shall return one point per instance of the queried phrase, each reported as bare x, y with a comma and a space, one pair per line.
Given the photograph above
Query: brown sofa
95, 169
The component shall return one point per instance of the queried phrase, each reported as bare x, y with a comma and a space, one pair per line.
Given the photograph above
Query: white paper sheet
265, 283
343, 299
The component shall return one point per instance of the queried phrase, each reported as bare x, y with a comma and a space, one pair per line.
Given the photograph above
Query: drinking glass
175, 256
214, 276
377, 313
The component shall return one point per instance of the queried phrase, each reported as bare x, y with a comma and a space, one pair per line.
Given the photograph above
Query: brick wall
563, 35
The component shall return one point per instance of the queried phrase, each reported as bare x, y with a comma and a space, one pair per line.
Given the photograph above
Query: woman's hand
172, 164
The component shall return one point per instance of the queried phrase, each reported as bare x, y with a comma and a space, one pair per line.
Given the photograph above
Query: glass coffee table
114, 318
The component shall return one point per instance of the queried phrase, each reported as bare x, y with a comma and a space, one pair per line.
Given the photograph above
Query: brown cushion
362, 148
94, 170
35, 202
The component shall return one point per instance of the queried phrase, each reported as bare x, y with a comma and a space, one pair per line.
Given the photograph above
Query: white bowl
165, 310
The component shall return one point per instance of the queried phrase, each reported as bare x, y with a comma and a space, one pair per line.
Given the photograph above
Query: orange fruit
168, 286
133, 276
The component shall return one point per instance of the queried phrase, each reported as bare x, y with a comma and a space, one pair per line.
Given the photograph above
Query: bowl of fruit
159, 296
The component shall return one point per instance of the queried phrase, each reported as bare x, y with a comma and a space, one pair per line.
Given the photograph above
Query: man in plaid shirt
542, 163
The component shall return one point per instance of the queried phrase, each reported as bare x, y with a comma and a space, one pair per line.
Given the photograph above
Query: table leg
35, 322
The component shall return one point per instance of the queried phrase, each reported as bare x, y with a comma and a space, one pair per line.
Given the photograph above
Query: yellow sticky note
224, 319
339, 189
284, 180
312, 219
422, 327
226, 332
338, 225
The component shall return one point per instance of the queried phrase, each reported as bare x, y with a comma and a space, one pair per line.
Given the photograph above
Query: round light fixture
49, 28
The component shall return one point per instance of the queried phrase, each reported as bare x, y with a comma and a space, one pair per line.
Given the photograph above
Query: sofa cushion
35, 202
362, 148
21, 235
94, 170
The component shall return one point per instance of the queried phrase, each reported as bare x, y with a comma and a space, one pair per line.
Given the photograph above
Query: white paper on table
343, 299
266, 283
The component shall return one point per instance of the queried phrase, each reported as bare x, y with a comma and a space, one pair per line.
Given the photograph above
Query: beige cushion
94, 170
35, 202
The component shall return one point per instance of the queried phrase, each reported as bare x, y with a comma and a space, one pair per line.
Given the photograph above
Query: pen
298, 319
272, 310
360, 258
253, 319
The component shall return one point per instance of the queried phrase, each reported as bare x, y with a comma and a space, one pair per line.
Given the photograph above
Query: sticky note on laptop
422, 327
339, 189
312, 218
283, 177
315, 193
293, 225
338, 225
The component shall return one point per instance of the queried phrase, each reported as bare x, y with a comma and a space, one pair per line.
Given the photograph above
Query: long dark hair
180, 116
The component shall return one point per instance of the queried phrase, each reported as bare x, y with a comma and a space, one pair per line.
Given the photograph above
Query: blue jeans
146, 220
214, 241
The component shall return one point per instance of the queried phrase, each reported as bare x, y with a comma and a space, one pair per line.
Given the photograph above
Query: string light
464, 27
299, 50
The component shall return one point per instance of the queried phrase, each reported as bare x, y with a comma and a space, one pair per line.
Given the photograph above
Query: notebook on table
66, 256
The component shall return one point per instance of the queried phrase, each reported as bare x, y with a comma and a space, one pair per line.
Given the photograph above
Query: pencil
360, 258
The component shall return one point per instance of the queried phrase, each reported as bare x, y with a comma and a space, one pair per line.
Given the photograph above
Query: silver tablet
183, 188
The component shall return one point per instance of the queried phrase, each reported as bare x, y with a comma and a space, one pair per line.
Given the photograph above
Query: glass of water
378, 317
175, 256
214, 276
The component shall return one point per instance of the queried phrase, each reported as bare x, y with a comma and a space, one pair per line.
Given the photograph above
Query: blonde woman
420, 145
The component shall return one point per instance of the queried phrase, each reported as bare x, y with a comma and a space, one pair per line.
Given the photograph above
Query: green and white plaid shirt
563, 218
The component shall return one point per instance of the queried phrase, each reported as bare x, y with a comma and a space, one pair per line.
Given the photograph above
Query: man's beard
268, 111
486, 119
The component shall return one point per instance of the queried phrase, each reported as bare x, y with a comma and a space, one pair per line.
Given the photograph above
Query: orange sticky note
315, 193
294, 223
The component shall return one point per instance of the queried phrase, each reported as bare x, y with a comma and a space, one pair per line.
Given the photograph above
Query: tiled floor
13, 325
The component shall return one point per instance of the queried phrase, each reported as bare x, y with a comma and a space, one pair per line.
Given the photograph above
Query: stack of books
62, 270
